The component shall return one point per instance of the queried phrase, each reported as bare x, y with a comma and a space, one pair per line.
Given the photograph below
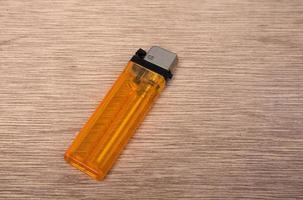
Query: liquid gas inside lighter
103, 137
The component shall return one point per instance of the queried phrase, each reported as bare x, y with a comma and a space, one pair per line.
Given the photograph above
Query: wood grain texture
229, 126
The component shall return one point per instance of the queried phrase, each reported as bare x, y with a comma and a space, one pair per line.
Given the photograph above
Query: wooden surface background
228, 126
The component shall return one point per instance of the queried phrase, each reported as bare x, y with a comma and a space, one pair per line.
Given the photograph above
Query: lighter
103, 137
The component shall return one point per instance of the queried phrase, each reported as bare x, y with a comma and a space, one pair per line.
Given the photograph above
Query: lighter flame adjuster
108, 130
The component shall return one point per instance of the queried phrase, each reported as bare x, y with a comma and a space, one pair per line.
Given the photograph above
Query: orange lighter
103, 137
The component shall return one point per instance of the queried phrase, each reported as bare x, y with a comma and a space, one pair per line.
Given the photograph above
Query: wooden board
228, 126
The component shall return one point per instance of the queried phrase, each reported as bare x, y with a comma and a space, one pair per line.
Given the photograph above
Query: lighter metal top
162, 58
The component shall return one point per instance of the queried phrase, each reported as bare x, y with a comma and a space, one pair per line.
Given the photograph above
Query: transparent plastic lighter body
99, 143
